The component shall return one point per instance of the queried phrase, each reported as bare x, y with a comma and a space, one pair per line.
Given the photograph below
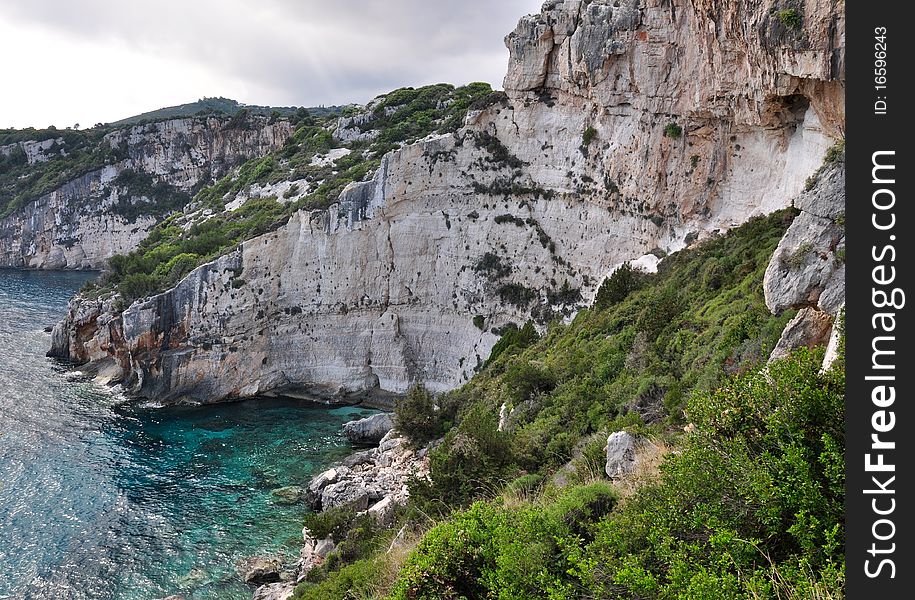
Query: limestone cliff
628, 126
110, 209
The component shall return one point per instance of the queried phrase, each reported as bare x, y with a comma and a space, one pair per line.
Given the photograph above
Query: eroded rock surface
808, 267
370, 430
622, 448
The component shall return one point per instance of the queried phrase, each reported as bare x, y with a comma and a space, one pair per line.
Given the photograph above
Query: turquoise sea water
106, 499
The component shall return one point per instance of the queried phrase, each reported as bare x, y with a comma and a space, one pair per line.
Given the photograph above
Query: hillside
75, 198
219, 106
634, 254
519, 501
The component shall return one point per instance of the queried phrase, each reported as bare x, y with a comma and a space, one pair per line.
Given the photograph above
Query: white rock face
35, 151
698, 115
806, 268
274, 591
369, 430
79, 225
621, 452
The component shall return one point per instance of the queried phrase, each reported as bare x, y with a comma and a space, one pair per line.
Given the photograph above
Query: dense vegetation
750, 505
205, 228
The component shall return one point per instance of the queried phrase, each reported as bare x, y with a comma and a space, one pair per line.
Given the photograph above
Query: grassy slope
749, 506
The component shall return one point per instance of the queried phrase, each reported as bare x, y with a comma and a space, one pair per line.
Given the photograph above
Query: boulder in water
263, 570
291, 494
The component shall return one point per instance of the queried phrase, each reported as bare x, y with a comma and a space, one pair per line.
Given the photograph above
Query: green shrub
588, 136
761, 480
790, 18
517, 294
357, 581
834, 154
673, 131
492, 265
331, 523
525, 485
513, 338
491, 551
474, 458
618, 286
422, 417
564, 295
795, 260
498, 152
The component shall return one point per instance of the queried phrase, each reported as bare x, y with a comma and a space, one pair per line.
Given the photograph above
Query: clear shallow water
102, 499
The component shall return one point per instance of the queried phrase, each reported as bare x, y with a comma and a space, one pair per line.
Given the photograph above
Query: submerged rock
369, 430
291, 494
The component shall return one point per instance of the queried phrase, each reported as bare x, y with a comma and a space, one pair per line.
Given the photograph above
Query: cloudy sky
89, 61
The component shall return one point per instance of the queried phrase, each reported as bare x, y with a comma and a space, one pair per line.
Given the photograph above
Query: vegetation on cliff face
71, 154
68, 154
210, 225
750, 505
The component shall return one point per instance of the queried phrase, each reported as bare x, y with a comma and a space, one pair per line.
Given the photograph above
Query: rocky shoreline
374, 481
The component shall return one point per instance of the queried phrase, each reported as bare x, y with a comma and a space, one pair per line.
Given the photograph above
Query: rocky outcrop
808, 267
110, 210
370, 430
627, 126
809, 329
274, 591
373, 480
622, 451
313, 553
807, 270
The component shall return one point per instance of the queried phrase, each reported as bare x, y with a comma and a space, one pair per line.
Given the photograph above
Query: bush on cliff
422, 417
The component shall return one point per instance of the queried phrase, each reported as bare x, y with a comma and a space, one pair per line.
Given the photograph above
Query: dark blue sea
103, 498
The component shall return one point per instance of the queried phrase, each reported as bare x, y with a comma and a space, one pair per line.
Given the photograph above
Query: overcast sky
88, 61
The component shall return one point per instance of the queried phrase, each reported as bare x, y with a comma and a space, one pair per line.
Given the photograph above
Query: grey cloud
305, 51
